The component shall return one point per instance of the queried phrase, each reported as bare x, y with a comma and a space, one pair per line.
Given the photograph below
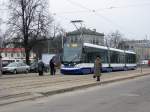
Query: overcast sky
130, 17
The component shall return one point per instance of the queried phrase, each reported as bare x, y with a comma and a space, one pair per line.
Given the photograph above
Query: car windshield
34, 64
12, 65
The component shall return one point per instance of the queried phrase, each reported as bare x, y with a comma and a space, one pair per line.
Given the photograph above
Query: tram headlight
62, 65
77, 66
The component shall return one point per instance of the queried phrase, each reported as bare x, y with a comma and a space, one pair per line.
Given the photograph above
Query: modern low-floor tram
79, 59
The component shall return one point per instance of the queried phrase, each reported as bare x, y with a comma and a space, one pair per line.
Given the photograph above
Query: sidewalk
21, 87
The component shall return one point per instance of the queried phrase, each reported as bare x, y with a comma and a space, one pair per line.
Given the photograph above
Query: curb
49, 93
69, 89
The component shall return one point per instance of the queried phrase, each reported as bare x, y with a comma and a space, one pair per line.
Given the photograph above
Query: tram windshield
72, 53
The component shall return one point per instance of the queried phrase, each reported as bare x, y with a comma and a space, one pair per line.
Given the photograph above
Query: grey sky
130, 17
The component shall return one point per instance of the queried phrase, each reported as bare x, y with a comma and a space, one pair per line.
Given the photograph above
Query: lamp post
142, 60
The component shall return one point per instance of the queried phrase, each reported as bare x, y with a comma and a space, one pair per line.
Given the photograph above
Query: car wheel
45, 69
15, 71
3, 72
36, 70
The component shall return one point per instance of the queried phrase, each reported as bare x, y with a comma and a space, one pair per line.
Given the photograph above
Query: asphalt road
125, 96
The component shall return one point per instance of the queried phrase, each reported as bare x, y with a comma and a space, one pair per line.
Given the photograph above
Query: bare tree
29, 21
0, 33
56, 40
123, 44
113, 39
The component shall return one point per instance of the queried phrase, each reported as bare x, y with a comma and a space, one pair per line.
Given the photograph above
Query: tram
79, 59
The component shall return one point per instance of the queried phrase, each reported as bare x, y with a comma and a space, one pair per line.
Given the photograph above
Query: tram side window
104, 56
127, 58
130, 58
89, 55
133, 58
121, 58
114, 57
87, 58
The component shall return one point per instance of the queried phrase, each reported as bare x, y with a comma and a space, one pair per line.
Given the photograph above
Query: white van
6, 61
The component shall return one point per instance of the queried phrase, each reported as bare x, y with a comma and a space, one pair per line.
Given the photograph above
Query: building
85, 36
14, 54
141, 47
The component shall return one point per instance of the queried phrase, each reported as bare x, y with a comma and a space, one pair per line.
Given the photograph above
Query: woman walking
97, 68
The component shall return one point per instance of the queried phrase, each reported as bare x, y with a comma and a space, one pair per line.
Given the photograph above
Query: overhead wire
71, 12
127, 6
98, 14
102, 9
78, 4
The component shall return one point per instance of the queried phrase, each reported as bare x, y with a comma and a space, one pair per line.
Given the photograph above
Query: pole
62, 41
48, 45
0, 65
142, 61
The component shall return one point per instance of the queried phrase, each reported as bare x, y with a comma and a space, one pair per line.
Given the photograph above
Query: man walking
52, 67
40, 67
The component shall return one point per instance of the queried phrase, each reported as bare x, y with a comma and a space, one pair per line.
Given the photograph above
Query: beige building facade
141, 47
85, 36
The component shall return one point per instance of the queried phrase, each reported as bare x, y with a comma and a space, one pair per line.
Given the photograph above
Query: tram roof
106, 48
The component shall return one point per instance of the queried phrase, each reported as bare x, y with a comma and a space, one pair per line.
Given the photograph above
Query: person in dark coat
0, 65
52, 67
40, 68
97, 68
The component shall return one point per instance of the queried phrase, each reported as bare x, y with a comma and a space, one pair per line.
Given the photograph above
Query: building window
5, 54
12, 55
94, 41
97, 41
18, 54
24, 55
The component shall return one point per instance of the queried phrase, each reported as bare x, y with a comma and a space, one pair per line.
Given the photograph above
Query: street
126, 96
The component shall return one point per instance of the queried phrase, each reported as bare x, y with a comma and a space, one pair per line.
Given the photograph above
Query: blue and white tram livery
79, 59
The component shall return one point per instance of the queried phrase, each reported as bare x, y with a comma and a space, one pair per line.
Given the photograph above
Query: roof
12, 49
106, 48
85, 31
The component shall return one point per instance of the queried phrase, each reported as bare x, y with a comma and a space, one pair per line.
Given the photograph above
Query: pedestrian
52, 67
0, 65
40, 68
97, 68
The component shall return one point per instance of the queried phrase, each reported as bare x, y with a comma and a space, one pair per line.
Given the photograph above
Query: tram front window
71, 54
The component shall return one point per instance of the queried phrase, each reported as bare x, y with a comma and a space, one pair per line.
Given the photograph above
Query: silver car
16, 67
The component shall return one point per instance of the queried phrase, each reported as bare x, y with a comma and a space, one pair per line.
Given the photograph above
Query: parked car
16, 67
5, 62
34, 67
